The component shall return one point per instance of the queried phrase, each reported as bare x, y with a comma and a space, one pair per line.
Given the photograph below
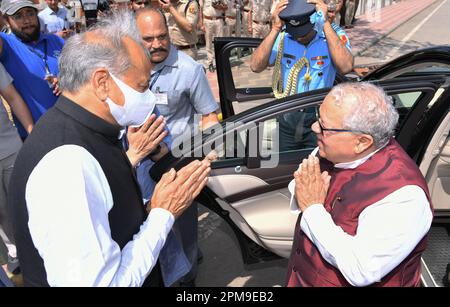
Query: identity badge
161, 98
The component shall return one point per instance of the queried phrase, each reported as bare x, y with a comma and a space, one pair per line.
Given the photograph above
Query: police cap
296, 16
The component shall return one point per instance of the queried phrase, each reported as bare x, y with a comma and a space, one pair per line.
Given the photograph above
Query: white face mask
137, 107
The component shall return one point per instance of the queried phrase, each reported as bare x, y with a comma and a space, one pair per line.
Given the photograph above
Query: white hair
80, 57
372, 111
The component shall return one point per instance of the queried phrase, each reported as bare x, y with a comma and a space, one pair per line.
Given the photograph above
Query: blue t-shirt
322, 68
25, 63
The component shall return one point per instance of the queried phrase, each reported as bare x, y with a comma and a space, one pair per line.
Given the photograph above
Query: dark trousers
186, 229
154, 279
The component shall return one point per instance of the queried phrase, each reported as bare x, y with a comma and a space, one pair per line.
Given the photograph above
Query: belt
231, 17
184, 47
246, 10
212, 17
261, 23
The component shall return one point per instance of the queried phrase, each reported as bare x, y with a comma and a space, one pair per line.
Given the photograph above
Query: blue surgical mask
137, 107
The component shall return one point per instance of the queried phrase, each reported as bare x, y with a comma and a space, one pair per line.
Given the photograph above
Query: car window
233, 145
252, 89
292, 131
405, 100
295, 127
243, 76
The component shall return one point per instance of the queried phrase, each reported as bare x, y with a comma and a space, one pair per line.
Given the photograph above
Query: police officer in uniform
182, 18
307, 50
334, 10
349, 13
138, 4
230, 18
212, 23
245, 11
260, 17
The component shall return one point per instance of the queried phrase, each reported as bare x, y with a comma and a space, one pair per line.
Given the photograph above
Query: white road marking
394, 51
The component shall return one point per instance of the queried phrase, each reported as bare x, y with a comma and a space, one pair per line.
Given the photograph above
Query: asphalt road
430, 27
222, 264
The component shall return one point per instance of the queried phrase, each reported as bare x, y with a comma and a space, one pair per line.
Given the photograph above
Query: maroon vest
351, 191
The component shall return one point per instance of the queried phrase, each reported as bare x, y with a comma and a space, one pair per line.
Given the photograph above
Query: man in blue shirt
182, 91
307, 51
54, 19
30, 57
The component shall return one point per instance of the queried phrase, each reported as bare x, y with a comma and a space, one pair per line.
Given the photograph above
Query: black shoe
13, 265
446, 279
199, 256
211, 68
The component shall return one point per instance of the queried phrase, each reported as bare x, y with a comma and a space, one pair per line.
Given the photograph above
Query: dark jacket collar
88, 119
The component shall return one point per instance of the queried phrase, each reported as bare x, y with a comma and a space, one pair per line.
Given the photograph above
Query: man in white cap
30, 57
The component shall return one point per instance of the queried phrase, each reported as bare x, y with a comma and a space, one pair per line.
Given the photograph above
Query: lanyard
43, 58
155, 77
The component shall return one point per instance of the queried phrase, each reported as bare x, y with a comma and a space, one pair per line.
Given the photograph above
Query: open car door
248, 183
239, 88
430, 147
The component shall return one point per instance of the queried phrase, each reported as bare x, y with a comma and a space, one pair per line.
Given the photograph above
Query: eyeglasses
162, 37
322, 128
26, 14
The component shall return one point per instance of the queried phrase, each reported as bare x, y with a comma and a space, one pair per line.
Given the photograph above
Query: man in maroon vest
365, 219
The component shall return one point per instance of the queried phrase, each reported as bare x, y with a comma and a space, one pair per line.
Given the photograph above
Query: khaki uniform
260, 17
213, 20
230, 18
180, 38
350, 8
334, 5
245, 11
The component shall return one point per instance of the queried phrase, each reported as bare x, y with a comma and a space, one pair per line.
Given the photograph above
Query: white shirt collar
121, 133
356, 163
347, 165
49, 11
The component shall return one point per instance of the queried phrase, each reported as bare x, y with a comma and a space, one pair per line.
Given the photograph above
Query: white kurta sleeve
68, 201
387, 233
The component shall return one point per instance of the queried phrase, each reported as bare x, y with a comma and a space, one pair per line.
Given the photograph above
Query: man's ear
6, 20
100, 83
363, 142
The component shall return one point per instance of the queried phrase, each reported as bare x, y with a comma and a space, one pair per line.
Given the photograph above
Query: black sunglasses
322, 128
